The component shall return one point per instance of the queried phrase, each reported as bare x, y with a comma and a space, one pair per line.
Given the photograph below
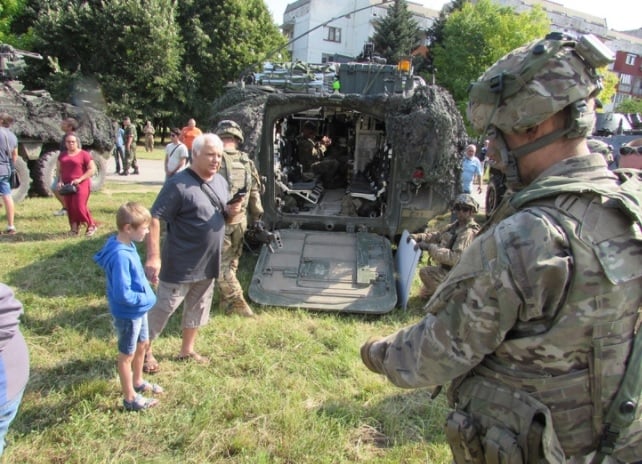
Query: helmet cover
229, 128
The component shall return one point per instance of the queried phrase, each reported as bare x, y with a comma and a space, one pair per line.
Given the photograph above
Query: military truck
396, 144
37, 119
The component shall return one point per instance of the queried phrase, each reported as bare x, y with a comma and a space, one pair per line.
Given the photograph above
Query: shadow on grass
397, 420
55, 394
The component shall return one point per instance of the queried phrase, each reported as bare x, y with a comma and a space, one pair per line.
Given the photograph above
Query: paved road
152, 172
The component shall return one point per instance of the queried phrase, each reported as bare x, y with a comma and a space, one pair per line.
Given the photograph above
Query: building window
630, 59
334, 34
625, 79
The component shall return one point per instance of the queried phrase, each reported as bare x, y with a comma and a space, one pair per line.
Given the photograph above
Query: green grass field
287, 387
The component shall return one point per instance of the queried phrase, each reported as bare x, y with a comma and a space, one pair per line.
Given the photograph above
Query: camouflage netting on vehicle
244, 106
426, 124
38, 117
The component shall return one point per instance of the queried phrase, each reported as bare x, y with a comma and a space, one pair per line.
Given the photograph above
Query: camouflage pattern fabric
445, 249
544, 301
240, 172
538, 80
130, 154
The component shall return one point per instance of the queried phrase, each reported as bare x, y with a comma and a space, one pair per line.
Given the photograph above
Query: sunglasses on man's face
630, 150
465, 209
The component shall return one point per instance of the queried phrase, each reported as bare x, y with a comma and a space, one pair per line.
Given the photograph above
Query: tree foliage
145, 58
630, 105
609, 84
122, 53
223, 39
396, 34
476, 36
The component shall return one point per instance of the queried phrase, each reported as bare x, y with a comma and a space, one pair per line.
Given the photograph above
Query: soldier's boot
238, 306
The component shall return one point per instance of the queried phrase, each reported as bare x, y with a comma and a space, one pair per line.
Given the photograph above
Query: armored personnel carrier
395, 146
37, 119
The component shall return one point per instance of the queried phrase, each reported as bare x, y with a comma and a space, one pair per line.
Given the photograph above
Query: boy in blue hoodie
130, 296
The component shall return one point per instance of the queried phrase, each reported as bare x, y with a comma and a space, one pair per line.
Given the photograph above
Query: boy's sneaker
60, 212
140, 403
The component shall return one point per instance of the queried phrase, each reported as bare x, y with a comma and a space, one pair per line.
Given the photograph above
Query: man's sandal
140, 403
150, 365
152, 388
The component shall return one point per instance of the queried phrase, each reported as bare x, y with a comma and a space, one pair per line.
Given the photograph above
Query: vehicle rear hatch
328, 271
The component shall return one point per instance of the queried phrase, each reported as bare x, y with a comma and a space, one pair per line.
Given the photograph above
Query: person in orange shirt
187, 136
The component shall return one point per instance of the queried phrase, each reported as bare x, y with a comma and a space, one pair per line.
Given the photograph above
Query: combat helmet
229, 128
466, 200
531, 84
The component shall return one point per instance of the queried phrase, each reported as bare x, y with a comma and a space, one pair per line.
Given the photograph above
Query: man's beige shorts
197, 297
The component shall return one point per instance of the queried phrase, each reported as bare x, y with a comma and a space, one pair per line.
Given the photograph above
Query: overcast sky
621, 15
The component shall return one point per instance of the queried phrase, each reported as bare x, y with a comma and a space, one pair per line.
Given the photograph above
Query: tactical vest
237, 171
603, 225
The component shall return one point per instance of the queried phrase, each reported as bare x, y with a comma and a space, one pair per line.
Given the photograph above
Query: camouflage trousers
130, 160
431, 277
228, 285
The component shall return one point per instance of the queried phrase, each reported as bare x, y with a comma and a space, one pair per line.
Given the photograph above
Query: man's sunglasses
630, 150
465, 209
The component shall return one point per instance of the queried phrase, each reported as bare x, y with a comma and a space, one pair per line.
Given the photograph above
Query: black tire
495, 192
98, 179
22, 191
49, 163
49, 169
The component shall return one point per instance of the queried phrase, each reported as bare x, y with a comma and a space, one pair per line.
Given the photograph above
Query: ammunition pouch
496, 424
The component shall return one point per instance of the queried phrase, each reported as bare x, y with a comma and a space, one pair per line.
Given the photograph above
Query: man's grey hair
211, 139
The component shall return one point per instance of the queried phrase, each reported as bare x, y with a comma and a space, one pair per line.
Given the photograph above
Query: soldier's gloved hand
373, 352
415, 237
432, 248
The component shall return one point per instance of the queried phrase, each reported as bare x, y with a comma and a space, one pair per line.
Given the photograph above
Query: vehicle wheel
98, 179
49, 161
21, 192
41, 183
494, 193
49, 168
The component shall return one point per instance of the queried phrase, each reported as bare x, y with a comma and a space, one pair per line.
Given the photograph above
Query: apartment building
336, 30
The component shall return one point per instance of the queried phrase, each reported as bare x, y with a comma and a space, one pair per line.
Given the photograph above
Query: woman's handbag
68, 189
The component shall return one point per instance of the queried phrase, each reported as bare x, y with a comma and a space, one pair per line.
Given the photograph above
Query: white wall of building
355, 29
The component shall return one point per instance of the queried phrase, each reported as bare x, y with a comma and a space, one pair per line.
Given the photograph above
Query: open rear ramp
327, 271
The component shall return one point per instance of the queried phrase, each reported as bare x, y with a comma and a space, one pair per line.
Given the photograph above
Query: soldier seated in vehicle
445, 247
311, 155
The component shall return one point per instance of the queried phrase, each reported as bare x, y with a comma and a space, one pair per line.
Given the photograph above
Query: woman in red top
76, 166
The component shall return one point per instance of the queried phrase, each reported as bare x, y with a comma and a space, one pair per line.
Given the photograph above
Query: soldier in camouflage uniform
241, 175
129, 140
534, 326
446, 246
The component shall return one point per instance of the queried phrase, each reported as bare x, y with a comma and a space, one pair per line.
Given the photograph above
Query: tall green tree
125, 53
476, 36
223, 39
9, 10
397, 33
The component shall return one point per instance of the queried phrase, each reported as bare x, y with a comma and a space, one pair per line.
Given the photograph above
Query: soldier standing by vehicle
130, 138
535, 326
446, 246
245, 187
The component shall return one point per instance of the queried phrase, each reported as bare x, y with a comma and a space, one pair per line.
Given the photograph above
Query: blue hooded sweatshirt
128, 292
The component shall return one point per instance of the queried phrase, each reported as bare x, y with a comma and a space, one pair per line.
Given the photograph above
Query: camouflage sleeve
450, 257
255, 206
517, 270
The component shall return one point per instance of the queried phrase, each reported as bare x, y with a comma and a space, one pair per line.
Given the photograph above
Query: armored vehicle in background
37, 119
395, 146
